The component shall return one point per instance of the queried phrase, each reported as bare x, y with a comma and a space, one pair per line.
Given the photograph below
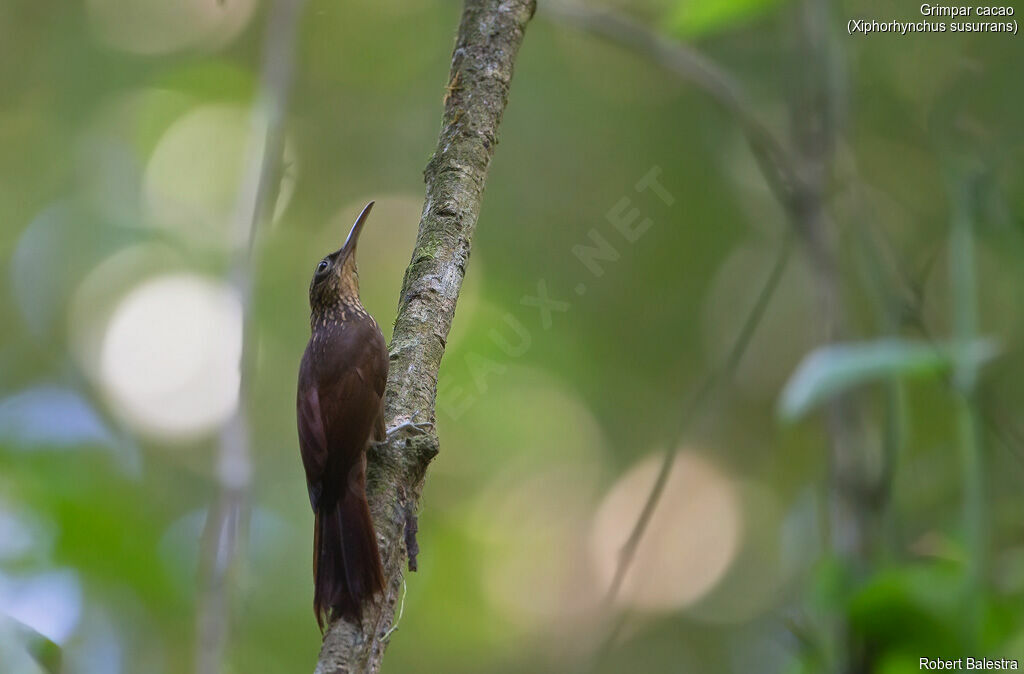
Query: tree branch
489, 37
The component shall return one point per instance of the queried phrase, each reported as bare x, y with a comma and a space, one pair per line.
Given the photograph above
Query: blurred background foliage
124, 124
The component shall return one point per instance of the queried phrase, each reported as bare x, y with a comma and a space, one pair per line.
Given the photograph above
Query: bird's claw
413, 428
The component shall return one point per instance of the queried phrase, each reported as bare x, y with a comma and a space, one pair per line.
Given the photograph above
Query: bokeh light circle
536, 541
171, 354
99, 292
691, 538
191, 183
485, 442
162, 27
751, 584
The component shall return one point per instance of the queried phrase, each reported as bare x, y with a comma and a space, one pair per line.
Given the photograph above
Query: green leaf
916, 606
25, 651
834, 369
697, 17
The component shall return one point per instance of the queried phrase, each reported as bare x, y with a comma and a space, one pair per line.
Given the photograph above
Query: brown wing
341, 390
312, 435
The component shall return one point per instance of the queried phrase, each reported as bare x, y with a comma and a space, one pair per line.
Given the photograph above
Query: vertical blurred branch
891, 303
965, 375
814, 126
226, 521
852, 493
488, 41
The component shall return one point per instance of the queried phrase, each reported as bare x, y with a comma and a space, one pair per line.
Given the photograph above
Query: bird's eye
322, 267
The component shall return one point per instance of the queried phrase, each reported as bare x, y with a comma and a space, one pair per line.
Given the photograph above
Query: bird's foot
412, 428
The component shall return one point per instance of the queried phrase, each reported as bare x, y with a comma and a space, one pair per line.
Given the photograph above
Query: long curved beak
353, 235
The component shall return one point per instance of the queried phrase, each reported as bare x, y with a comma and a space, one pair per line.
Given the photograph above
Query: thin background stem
777, 165
965, 376
721, 374
227, 519
724, 372
799, 181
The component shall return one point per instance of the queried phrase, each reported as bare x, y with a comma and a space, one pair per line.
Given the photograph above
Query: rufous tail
346, 562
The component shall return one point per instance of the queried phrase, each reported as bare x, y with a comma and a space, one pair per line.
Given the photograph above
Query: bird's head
336, 278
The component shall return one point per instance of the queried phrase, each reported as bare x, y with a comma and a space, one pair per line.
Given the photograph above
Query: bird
340, 412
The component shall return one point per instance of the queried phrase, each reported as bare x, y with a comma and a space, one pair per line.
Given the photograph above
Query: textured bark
490, 34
